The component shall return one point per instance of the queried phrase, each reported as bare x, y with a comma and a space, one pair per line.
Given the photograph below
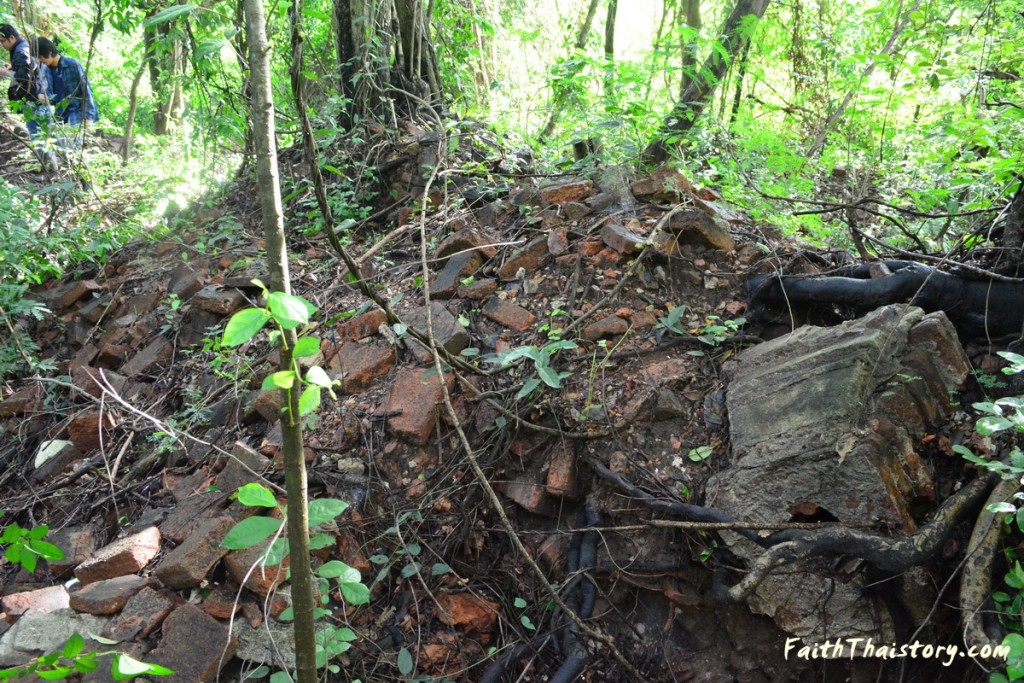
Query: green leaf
316, 376
525, 621
309, 401
405, 663
244, 325
29, 561
325, 509
549, 376
527, 388
287, 614
75, 644
57, 674
439, 569
306, 347
169, 14
410, 569
123, 667
250, 531
47, 551
355, 593
256, 495
318, 541
519, 603
280, 677
289, 310
990, 425
100, 639
336, 569
38, 533
283, 379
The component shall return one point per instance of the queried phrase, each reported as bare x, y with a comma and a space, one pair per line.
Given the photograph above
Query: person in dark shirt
28, 86
70, 92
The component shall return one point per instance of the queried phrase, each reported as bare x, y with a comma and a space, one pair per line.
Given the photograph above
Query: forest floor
156, 416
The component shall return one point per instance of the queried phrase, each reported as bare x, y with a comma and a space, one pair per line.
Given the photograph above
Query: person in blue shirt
28, 86
70, 92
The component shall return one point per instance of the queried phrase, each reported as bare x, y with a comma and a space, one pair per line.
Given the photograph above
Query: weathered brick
415, 396
528, 258
361, 364
187, 565
664, 183
509, 314
561, 477
183, 630
125, 556
463, 240
158, 353
143, 612
620, 238
38, 601
28, 399
78, 543
84, 429
218, 300
107, 596
604, 328
448, 332
261, 579
361, 326
458, 268
568, 190
478, 290
467, 611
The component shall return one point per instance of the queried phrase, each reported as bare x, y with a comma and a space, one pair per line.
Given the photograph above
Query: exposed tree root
976, 585
889, 554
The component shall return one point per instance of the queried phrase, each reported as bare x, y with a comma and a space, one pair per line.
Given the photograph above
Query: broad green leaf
309, 401
528, 387
410, 569
439, 569
287, 614
991, 425
405, 662
169, 14
244, 325
335, 569
57, 674
306, 347
47, 551
325, 509
318, 541
38, 533
316, 376
29, 561
280, 677
277, 552
519, 603
75, 644
283, 379
549, 375
124, 667
256, 495
289, 310
355, 593
250, 531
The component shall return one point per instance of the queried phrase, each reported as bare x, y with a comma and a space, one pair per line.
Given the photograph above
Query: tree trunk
692, 10
609, 50
693, 100
399, 70
133, 106
561, 93
891, 46
165, 58
262, 107
741, 74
